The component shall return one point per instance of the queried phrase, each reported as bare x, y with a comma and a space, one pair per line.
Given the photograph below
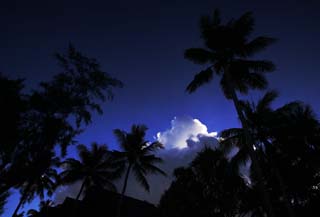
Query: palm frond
198, 55
199, 79
265, 102
243, 26
83, 152
121, 136
256, 81
154, 146
257, 65
231, 132
258, 44
153, 169
139, 174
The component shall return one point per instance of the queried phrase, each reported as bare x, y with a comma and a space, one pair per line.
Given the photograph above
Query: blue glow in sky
142, 43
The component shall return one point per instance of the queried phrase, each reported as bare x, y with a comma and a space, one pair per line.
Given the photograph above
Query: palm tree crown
227, 50
137, 154
96, 167
42, 177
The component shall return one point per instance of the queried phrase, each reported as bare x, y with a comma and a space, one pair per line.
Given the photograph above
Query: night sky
142, 44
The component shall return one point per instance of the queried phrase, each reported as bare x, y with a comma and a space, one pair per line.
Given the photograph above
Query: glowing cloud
184, 129
182, 141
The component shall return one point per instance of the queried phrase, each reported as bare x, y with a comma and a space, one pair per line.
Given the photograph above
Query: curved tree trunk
22, 199
75, 207
124, 188
81, 189
253, 155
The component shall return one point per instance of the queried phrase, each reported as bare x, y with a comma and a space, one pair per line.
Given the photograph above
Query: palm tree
228, 48
281, 137
43, 178
137, 155
260, 118
96, 167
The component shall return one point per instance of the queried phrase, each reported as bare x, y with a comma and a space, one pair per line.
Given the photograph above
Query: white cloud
183, 129
182, 141
185, 138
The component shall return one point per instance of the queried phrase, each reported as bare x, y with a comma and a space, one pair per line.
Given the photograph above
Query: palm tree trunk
255, 163
22, 199
75, 207
124, 188
126, 180
81, 189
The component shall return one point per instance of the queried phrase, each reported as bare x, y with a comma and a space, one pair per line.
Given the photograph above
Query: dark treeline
279, 147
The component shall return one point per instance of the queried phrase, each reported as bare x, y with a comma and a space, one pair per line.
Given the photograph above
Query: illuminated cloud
185, 138
182, 141
184, 132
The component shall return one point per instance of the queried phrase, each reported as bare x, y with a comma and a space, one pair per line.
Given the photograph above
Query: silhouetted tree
276, 133
227, 51
207, 187
96, 167
137, 155
295, 146
42, 178
12, 107
34, 123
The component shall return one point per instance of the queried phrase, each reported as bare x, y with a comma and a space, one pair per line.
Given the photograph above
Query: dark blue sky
142, 42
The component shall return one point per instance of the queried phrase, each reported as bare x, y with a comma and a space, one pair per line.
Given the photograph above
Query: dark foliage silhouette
287, 140
137, 155
42, 178
227, 52
96, 168
209, 186
36, 122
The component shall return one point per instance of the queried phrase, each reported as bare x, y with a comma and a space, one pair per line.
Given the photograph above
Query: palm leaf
199, 79
265, 103
139, 174
243, 26
198, 55
256, 81
256, 45
256, 65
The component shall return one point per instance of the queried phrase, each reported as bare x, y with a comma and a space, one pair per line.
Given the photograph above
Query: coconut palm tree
137, 155
260, 119
281, 137
43, 178
227, 53
96, 167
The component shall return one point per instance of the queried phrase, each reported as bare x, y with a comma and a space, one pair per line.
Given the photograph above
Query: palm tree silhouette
227, 51
96, 167
260, 118
137, 155
281, 137
42, 178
